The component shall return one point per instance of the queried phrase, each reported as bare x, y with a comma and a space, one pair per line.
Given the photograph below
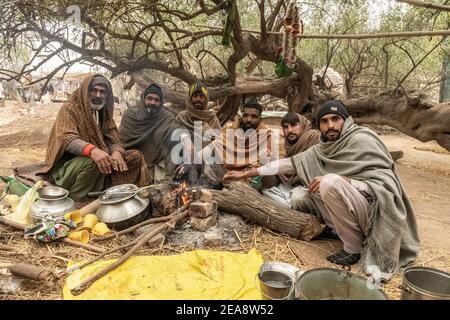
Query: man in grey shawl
148, 127
355, 187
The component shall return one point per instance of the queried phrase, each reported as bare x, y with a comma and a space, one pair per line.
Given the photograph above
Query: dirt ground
424, 170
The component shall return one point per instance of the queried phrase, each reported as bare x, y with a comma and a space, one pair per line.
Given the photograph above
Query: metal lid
52, 193
118, 193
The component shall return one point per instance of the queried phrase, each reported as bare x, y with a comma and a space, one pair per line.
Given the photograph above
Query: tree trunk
239, 198
413, 115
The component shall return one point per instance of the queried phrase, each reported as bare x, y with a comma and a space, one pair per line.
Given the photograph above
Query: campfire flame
184, 194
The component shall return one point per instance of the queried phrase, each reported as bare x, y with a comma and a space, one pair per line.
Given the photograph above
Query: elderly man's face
198, 100
251, 118
152, 102
292, 132
98, 97
330, 126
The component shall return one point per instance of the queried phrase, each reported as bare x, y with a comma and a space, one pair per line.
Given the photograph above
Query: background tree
178, 42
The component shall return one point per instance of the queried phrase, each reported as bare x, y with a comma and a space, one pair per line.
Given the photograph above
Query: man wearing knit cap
148, 127
354, 186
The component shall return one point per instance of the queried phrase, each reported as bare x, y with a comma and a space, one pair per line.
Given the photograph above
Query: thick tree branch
426, 4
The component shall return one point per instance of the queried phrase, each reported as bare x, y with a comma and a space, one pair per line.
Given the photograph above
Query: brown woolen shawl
75, 120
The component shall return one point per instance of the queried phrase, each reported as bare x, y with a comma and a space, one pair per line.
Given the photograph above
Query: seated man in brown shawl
353, 183
149, 127
245, 144
84, 150
298, 137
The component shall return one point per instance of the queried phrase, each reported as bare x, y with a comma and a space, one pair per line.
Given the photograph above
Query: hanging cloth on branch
231, 8
286, 54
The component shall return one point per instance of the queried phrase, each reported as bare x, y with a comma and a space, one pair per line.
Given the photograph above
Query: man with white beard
84, 153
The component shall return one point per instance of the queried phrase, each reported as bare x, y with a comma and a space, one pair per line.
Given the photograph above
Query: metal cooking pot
335, 284
52, 202
422, 283
122, 210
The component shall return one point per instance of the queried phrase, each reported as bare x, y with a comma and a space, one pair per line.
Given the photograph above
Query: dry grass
273, 246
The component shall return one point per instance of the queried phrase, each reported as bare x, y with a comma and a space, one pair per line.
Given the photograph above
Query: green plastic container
14, 186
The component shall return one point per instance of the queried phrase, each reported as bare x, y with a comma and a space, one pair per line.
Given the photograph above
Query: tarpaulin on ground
199, 274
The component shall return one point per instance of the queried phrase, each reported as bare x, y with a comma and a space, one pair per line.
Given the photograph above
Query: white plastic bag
21, 212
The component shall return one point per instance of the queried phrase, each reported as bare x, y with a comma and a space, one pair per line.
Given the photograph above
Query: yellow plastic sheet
199, 274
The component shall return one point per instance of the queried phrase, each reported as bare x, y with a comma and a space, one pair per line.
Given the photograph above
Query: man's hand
102, 159
118, 163
315, 184
234, 175
182, 170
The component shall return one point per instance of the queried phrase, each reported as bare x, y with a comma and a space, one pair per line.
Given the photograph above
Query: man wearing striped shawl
84, 153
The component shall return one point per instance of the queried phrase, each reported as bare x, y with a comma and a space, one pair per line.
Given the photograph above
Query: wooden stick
125, 246
167, 225
90, 208
133, 228
71, 242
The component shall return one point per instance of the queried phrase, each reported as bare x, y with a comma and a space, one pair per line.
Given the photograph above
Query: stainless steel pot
422, 283
52, 202
122, 210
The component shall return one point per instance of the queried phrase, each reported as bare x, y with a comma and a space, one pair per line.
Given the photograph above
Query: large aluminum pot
422, 283
122, 209
335, 284
52, 202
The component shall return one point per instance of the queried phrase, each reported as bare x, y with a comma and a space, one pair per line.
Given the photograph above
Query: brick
201, 209
206, 195
203, 224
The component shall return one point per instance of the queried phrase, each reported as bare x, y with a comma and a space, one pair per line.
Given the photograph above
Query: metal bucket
291, 271
275, 285
422, 283
334, 284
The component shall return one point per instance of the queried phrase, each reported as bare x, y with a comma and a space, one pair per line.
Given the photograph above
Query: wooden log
28, 271
239, 198
4, 247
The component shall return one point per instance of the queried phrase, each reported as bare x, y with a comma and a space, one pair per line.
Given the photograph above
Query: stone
156, 241
203, 224
213, 238
201, 209
206, 195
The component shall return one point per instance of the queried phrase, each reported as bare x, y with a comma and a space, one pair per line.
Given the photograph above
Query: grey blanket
392, 240
148, 133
